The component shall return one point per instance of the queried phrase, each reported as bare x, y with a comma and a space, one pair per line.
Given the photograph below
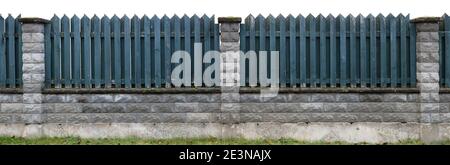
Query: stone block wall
206, 108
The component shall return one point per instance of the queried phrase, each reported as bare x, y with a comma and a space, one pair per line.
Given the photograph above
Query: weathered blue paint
76, 51
2, 55
86, 51
95, 52
10, 52
65, 71
338, 52
445, 52
105, 53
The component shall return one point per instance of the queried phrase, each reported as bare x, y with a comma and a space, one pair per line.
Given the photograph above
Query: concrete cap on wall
230, 19
34, 20
426, 20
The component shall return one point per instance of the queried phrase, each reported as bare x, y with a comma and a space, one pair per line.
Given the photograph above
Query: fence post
33, 67
427, 50
229, 48
229, 68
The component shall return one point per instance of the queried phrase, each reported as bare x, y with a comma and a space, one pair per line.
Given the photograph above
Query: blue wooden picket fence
336, 52
10, 52
444, 54
121, 52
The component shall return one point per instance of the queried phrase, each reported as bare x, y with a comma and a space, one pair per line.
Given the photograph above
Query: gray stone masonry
229, 69
218, 108
229, 51
427, 49
33, 68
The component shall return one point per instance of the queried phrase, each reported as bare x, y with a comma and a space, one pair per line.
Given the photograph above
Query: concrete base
370, 132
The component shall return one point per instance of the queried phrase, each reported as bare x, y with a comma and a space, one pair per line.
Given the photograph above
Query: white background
47, 8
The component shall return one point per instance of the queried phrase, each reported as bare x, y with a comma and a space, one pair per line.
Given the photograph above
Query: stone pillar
427, 51
229, 68
33, 67
229, 50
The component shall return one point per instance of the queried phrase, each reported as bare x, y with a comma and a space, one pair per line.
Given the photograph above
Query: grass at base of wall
180, 141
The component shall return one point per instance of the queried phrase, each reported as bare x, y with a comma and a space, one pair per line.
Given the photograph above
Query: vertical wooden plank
270, 21
2, 54
383, 49
216, 30
206, 41
244, 47
342, 51
252, 45
56, 52
373, 53
106, 51
10, 50
47, 55
262, 37
196, 29
95, 52
252, 33
86, 51
331, 21
136, 51
211, 30
211, 34
243, 31
177, 38
442, 46
126, 51
18, 47
116, 56
323, 51
393, 51
363, 50
292, 52
353, 57
216, 34
187, 34
446, 56
403, 58
167, 51
147, 51
65, 58
312, 50
282, 25
302, 47
157, 32
216, 39
412, 51
76, 51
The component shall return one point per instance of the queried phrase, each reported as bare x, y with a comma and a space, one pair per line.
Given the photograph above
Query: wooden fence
121, 52
10, 52
336, 52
